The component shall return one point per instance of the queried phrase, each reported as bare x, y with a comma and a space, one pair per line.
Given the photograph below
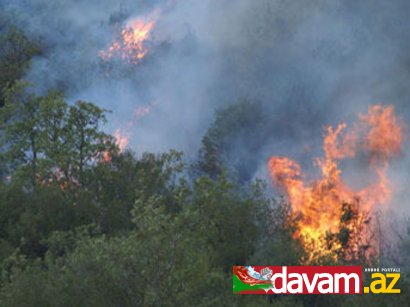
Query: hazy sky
310, 63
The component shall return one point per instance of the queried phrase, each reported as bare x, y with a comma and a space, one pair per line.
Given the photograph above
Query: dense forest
85, 223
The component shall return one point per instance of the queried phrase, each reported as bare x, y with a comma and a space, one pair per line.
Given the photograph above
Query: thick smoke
310, 63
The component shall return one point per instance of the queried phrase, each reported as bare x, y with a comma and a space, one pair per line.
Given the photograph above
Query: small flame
57, 176
319, 205
121, 140
105, 156
122, 136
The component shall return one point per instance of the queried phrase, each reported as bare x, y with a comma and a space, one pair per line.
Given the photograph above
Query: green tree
16, 51
233, 141
47, 140
19, 120
47, 148
227, 219
85, 137
184, 238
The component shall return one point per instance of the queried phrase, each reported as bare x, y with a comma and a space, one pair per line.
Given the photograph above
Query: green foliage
112, 188
19, 119
47, 140
156, 238
16, 51
174, 255
227, 219
276, 243
233, 140
47, 149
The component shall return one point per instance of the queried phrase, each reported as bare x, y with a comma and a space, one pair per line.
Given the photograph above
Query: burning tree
131, 46
333, 217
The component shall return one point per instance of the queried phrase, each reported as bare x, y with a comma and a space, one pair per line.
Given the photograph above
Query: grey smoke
310, 63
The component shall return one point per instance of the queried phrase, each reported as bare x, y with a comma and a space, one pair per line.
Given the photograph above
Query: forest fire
122, 136
332, 217
131, 45
121, 140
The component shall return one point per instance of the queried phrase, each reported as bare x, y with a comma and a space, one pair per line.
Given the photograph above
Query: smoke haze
310, 63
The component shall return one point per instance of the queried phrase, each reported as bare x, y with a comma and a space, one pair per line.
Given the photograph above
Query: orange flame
57, 176
121, 140
122, 136
131, 46
319, 204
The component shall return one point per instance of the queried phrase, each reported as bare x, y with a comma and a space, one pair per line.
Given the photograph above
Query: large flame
320, 205
131, 44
